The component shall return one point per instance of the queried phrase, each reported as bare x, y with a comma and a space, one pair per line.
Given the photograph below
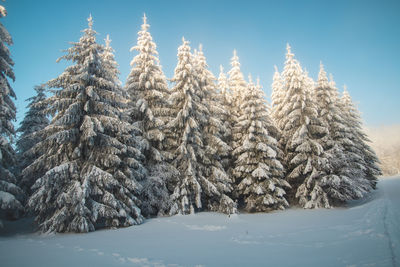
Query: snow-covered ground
366, 233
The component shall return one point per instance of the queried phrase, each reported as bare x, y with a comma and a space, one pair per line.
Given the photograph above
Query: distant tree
92, 159
11, 195
386, 143
149, 110
34, 122
259, 174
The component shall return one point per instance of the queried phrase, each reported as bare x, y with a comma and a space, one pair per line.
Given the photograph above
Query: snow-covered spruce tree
148, 90
351, 148
109, 62
310, 83
11, 195
363, 154
236, 81
277, 95
237, 86
34, 122
275, 109
224, 98
92, 159
186, 141
301, 130
216, 150
223, 88
347, 185
259, 174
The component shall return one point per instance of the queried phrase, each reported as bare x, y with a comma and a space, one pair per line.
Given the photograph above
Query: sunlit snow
366, 233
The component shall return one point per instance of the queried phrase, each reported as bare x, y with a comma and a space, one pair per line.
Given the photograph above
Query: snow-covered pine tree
347, 185
34, 122
186, 141
259, 174
301, 131
148, 90
215, 197
92, 159
364, 155
11, 195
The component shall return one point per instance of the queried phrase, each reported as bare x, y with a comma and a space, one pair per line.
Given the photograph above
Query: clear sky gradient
358, 41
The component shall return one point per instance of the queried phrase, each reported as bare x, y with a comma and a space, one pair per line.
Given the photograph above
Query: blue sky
357, 41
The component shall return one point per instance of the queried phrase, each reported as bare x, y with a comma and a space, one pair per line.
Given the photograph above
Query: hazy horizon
386, 143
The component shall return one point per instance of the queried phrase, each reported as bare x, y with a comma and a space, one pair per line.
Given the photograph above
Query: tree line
93, 153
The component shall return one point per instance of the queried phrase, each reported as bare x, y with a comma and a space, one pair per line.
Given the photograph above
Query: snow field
366, 233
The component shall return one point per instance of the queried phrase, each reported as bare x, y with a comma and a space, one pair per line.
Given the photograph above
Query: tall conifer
259, 174
301, 133
91, 158
11, 195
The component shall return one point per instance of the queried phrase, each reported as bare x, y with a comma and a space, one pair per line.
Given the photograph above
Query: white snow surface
365, 233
